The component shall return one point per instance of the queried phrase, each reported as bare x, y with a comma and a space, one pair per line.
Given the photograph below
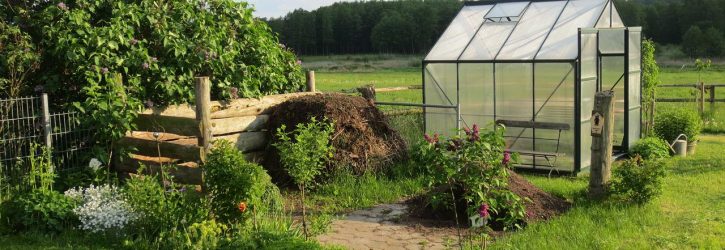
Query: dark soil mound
543, 206
363, 139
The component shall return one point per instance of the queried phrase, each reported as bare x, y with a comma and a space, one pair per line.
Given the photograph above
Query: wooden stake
203, 115
702, 98
602, 134
311, 81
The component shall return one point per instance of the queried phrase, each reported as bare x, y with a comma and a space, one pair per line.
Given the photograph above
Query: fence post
203, 115
702, 98
47, 129
602, 133
311, 81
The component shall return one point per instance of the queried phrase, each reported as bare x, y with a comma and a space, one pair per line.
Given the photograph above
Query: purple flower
183, 189
104, 70
133, 41
39, 88
149, 104
431, 140
467, 130
145, 65
62, 6
483, 211
299, 62
234, 91
506, 158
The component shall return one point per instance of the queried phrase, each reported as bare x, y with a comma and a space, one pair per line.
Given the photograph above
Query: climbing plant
650, 80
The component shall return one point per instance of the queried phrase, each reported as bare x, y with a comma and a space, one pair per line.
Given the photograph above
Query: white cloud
278, 8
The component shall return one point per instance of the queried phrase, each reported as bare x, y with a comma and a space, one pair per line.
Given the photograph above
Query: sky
278, 8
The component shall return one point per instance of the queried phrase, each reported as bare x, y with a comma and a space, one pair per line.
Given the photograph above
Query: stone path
379, 228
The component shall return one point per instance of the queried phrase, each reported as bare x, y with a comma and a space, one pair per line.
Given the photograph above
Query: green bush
472, 170
638, 180
651, 148
230, 180
161, 210
41, 210
670, 124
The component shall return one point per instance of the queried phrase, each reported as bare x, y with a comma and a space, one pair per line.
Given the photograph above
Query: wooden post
203, 115
311, 81
702, 98
47, 129
602, 133
367, 92
712, 98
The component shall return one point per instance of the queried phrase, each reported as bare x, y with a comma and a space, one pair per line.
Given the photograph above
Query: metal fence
28, 121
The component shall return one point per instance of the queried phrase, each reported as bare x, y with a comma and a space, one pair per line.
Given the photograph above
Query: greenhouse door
612, 75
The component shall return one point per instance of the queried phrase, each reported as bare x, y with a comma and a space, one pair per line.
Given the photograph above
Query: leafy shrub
670, 124
476, 167
304, 152
651, 148
18, 58
161, 210
237, 189
207, 234
102, 209
638, 180
43, 210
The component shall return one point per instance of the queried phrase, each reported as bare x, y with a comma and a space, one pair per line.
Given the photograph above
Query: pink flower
133, 41
299, 62
104, 70
234, 91
506, 158
62, 6
483, 211
145, 65
431, 140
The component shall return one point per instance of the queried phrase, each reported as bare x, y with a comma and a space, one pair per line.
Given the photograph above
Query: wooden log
185, 173
226, 109
247, 141
168, 124
702, 98
238, 124
203, 115
249, 106
602, 135
153, 136
392, 89
183, 149
311, 81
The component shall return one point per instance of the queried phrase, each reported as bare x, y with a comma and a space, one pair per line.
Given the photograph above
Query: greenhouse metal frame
535, 66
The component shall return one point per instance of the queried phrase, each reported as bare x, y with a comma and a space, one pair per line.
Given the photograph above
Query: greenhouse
535, 66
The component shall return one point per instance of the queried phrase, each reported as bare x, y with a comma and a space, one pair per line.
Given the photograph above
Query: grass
687, 215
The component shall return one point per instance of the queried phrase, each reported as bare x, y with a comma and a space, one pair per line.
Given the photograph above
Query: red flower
483, 211
242, 207
506, 158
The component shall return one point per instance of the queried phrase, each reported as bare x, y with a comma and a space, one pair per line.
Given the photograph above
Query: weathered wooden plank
184, 149
185, 173
169, 124
223, 107
247, 141
238, 124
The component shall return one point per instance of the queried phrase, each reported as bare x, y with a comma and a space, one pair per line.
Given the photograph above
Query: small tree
305, 155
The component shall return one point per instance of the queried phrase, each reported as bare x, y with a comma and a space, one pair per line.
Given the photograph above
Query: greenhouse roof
521, 30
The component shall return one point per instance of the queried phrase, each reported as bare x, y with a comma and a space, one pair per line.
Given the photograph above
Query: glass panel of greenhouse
534, 68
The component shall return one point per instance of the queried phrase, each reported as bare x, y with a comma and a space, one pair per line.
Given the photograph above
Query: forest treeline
695, 27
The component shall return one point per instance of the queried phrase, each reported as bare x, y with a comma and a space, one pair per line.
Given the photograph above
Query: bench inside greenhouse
549, 155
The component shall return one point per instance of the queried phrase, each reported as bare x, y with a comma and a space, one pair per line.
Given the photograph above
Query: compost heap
363, 139
543, 206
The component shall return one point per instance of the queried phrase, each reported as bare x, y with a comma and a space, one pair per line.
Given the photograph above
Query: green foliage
42, 210
651, 148
107, 57
160, 209
230, 180
670, 124
305, 151
477, 167
637, 180
18, 58
207, 234
650, 80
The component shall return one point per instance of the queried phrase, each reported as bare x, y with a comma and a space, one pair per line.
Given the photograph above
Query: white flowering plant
102, 208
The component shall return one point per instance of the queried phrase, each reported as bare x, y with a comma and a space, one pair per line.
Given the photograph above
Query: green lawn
687, 215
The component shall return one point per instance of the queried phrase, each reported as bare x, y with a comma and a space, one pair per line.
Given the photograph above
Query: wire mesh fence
23, 124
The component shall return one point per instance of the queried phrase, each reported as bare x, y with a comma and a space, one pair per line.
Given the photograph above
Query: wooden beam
183, 149
247, 141
169, 124
239, 124
602, 135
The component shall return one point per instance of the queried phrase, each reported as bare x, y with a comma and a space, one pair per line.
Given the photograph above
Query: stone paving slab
376, 228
